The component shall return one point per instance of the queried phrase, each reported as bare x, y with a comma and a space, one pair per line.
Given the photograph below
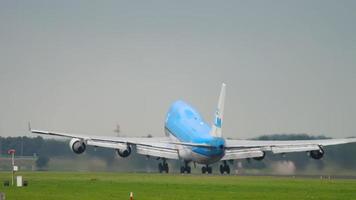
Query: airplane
189, 138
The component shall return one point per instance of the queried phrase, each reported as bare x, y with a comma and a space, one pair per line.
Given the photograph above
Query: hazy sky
75, 66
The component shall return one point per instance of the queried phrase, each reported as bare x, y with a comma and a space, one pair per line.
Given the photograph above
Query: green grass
106, 186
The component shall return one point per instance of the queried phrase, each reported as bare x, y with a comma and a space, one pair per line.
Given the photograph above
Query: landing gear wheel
210, 170
185, 168
203, 170
165, 167
227, 169
189, 170
206, 169
224, 168
160, 167
182, 170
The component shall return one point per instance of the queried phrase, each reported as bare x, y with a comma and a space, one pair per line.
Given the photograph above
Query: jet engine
317, 154
261, 157
77, 145
124, 152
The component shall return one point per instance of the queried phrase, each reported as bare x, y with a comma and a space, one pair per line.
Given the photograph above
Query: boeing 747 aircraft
190, 139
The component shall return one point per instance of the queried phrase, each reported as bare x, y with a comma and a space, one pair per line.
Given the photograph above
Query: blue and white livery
190, 139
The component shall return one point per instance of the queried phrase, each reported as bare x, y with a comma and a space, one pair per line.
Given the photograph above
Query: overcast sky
75, 66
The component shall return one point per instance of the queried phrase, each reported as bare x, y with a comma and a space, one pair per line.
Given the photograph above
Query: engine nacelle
77, 145
261, 157
124, 152
317, 154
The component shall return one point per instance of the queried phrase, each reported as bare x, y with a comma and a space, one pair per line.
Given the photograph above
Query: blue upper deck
185, 123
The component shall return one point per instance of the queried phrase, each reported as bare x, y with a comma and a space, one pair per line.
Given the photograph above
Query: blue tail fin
218, 118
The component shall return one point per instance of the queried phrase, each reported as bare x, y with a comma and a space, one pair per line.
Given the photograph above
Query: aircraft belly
187, 154
202, 159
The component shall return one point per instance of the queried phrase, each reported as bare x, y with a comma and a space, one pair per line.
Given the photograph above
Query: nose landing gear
206, 169
224, 168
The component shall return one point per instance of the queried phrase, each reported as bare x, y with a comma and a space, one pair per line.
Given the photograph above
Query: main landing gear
163, 167
185, 168
224, 168
206, 169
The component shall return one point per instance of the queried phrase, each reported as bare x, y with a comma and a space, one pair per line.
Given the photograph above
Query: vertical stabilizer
218, 119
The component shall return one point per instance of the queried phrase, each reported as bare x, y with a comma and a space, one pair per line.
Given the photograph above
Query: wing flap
157, 152
242, 153
232, 144
289, 149
111, 145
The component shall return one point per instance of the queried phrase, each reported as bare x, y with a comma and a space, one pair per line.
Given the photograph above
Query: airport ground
90, 186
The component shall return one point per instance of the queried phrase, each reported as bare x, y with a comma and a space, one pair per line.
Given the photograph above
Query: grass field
106, 186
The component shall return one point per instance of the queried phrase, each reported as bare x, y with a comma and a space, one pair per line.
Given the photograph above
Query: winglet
219, 114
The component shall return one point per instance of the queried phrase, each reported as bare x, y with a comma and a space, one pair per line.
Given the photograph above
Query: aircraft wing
239, 149
161, 147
